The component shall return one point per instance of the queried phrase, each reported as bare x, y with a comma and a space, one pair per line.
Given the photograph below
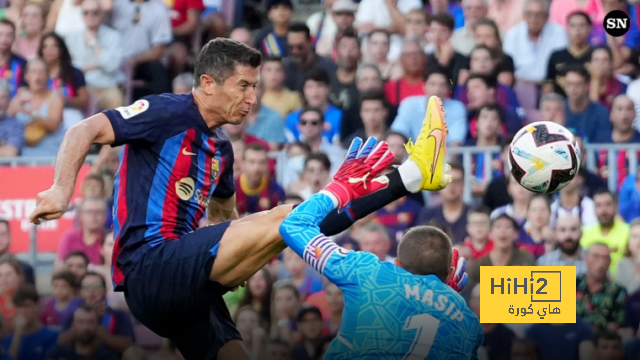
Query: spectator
481, 91
374, 238
478, 227
578, 52
96, 51
534, 33
622, 115
571, 200
536, 235
496, 194
63, 302
258, 294
87, 335
40, 109
489, 134
32, 24
272, 41
275, 95
609, 230
462, 39
504, 233
561, 12
377, 50
29, 340
453, 211
373, 112
116, 328
343, 13
323, 28
310, 127
583, 114
89, 236
11, 130
316, 94
65, 16
11, 278
486, 34
310, 324
256, 190
593, 287
396, 143
608, 346
5, 244
241, 35
64, 78
302, 276
13, 12
388, 15
418, 26
604, 86
336, 305
315, 176
115, 299
567, 236
182, 84
286, 301
397, 217
368, 77
264, 122
497, 337
344, 93
629, 207
301, 58
592, 181
626, 275
413, 62
520, 205
278, 349
296, 155
77, 263
443, 56
553, 108
13, 66
250, 328
238, 132
622, 46
185, 15
145, 31
437, 84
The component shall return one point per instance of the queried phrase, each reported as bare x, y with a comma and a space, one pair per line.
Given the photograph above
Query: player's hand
50, 205
459, 279
363, 164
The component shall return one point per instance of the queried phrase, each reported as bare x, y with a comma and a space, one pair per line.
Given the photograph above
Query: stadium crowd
351, 69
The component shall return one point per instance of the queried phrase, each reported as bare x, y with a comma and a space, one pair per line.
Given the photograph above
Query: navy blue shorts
169, 291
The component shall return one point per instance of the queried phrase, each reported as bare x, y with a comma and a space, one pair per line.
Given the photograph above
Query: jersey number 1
426, 327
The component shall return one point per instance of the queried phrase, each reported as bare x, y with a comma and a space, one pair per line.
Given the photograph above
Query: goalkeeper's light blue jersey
388, 313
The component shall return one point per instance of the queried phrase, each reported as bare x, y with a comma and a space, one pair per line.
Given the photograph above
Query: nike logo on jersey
186, 152
436, 134
360, 179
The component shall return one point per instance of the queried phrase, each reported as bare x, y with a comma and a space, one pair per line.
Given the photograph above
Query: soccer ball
544, 157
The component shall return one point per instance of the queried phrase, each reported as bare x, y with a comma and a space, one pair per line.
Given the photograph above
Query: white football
544, 157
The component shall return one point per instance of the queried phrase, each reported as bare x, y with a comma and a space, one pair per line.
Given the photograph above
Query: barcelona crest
215, 168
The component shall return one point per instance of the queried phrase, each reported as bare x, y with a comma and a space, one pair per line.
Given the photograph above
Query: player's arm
52, 204
221, 210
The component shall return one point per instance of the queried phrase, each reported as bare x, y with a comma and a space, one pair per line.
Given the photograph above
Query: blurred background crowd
334, 70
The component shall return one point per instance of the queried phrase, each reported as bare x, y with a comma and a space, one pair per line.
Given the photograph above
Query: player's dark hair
317, 74
306, 109
318, 156
580, 70
606, 335
489, 81
426, 250
445, 20
103, 282
24, 293
602, 48
300, 27
9, 23
374, 95
479, 209
605, 192
265, 302
349, 33
219, 58
582, 14
13, 262
256, 147
495, 108
64, 58
391, 133
79, 254
380, 31
68, 277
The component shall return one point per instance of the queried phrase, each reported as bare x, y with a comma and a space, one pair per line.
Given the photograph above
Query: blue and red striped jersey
172, 164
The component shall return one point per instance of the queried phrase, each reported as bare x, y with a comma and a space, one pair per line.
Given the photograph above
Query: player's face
623, 113
254, 165
85, 325
368, 79
246, 321
372, 113
61, 289
9, 278
378, 47
272, 74
503, 233
553, 111
538, 213
334, 298
605, 209
436, 85
568, 234
578, 30
480, 62
315, 93
237, 94
310, 326
76, 266
478, 225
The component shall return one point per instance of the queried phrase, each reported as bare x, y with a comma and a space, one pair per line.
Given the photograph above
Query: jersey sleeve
146, 121
301, 232
226, 186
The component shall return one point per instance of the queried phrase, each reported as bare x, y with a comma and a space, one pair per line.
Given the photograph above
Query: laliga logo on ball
617, 23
